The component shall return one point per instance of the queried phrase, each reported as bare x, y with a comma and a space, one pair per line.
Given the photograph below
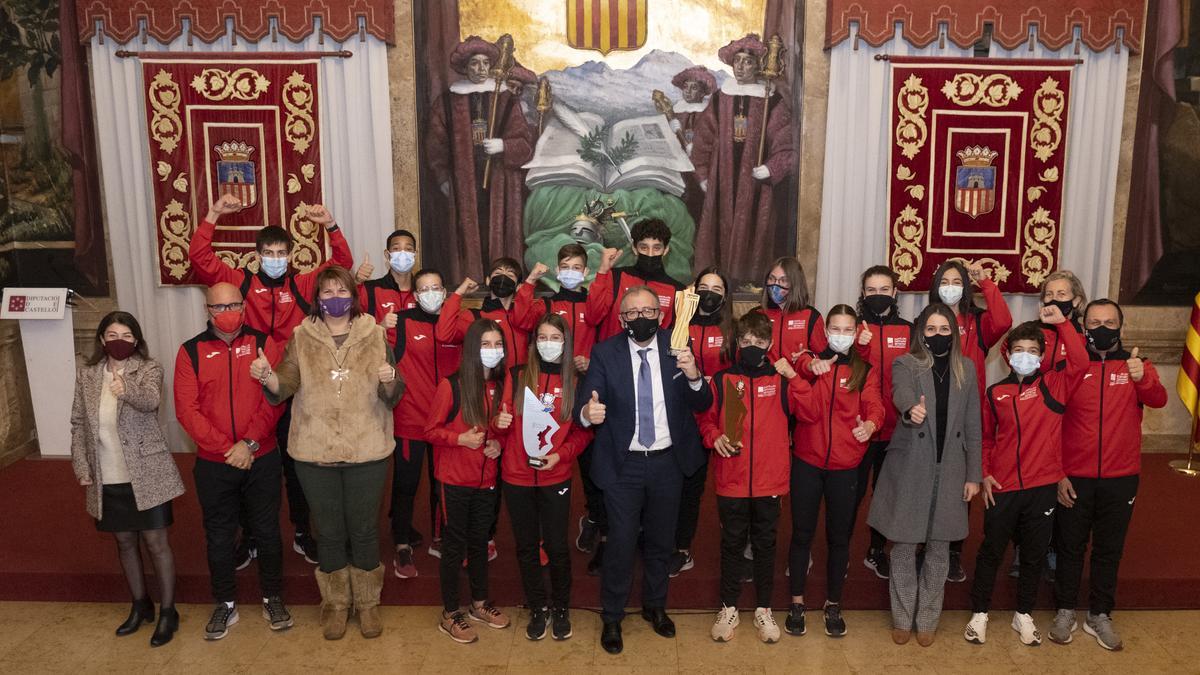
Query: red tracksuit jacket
762, 468
1022, 421
796, 332
983, 329
607, 289
455, 464
1056, 352
422, 361
573, 306
890, 339
1102, 428
708, 345
216, 400
383, 295
455, 320
273, 306
568, 441
826, 413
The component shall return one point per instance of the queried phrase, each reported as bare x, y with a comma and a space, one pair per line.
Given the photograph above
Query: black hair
272, 234
400, 233
651, 229
124, 319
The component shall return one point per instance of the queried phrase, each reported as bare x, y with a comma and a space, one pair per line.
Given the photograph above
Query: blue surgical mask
402, 261
1024, 363
274, 267
778, 293
570, 279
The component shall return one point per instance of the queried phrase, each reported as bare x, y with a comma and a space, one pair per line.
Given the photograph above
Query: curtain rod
888, 57
168, 56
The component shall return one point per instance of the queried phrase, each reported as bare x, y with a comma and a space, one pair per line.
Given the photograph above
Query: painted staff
772, 69
543, 102
499, 73
664, 105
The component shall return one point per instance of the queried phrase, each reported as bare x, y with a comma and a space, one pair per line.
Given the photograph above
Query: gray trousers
917, 593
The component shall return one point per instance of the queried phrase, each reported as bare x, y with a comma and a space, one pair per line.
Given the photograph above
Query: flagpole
1189, 467
1186, 384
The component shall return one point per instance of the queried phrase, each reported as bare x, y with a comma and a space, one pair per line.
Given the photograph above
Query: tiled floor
77, 638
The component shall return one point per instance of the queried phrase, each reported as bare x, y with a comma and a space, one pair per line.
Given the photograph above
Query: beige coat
152, 471
354, 425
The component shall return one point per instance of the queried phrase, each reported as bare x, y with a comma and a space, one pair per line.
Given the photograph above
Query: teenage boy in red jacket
1102, 445
384, 298
651, 243
237, 466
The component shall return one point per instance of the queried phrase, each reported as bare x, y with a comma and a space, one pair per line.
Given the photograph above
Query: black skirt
120, 512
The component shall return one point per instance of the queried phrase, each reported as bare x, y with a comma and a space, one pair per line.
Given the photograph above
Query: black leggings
469, 515
539, 514
130, 552
868, 475
406, 477
809, 485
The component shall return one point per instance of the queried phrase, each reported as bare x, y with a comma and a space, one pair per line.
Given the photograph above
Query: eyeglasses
645, 313
230, 307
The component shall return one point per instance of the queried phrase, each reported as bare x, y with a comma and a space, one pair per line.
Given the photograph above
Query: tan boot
367, 585
335, 601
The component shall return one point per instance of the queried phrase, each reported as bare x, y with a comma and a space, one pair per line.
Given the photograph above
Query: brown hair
471, 377
797, 298
1030, 330
124, 319
916, 342
725, 324
342, 276
754, 324
572, 251
533, 369
858, 366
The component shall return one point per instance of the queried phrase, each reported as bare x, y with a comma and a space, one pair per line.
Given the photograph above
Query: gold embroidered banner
976, 173
247, 127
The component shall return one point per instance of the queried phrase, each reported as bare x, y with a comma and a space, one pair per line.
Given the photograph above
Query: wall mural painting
558, 121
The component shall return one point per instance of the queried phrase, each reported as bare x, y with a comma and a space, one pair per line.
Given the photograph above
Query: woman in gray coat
120, 456
932, 472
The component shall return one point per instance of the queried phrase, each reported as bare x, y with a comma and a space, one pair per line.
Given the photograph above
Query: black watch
332, 228
252, 444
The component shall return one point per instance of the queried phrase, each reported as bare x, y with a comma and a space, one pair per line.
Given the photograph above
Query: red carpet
51, 551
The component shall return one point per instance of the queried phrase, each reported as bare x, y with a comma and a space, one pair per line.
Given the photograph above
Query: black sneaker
223, 617
877, 560
589, 533
305, 545
956, 573
276, 613
536, 630
560, 623
244, 553
593, 566
835, 625
794, 625
681, 561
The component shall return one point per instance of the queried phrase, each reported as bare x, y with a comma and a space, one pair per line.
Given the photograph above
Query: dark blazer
610, 374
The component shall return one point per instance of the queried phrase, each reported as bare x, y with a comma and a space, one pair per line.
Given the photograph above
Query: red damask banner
247, 127
978, 149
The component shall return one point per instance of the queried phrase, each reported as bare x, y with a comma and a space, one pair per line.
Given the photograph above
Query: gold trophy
543, 102
499, 74
771, 70
686, 302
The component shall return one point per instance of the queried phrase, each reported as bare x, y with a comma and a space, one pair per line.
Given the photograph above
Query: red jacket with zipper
273, 306
1102, 428
422, 361
1055, 355
568, 441
607, 289
799, 331
708, 345
890, 339
455, 319
1022, 421
762, 467
574, 307
455, 464
383, 295
983, 328
216, 400
826, 413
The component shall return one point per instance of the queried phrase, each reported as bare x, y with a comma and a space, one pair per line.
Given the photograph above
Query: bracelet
266, 376
332, 228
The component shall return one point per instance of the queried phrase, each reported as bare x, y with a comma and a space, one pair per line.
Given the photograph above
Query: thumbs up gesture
505, 419
1137, 369
594, 411
821, 366
471, 438
389, 320
785, 369
386, 373
863, 430
917, 412
118, 384
366, 270
865, 335
260, 368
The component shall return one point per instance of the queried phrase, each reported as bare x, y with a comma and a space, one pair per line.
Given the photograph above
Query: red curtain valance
121, 19
1099, 21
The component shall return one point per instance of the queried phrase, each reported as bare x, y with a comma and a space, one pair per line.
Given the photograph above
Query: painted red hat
470, 47
698, 74
751, 43
522, 74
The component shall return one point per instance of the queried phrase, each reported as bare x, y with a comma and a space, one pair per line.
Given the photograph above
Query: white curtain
854, 216
356, 165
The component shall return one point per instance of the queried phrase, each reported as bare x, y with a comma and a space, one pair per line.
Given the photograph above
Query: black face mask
710, 301
1103, 338
502, 286
751, 357
1067, 307
649, 265
878, 304
641, 329
938, 344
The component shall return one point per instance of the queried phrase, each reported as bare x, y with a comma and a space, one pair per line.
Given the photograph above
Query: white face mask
550, 350
1024, 363
950, 294
402, 261
431, 301
491, 357
841, 343
570, 279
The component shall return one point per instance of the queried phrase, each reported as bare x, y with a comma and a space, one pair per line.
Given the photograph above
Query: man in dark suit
641, 399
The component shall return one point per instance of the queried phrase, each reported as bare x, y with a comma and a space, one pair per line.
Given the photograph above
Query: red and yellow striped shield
606, 25
1188, 382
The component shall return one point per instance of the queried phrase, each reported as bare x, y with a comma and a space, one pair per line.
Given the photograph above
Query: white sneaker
764, 621
976, 630
727, 621
748, 553
1023, 624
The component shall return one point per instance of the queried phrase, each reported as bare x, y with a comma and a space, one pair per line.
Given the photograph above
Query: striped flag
606, 25
1188, 382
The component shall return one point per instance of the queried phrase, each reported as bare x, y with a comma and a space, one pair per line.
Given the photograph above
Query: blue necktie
645, 403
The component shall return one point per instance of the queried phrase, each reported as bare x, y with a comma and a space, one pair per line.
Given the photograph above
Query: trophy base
537, 462
1187, 467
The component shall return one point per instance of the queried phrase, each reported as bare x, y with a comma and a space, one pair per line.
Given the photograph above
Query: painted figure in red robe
697, 85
